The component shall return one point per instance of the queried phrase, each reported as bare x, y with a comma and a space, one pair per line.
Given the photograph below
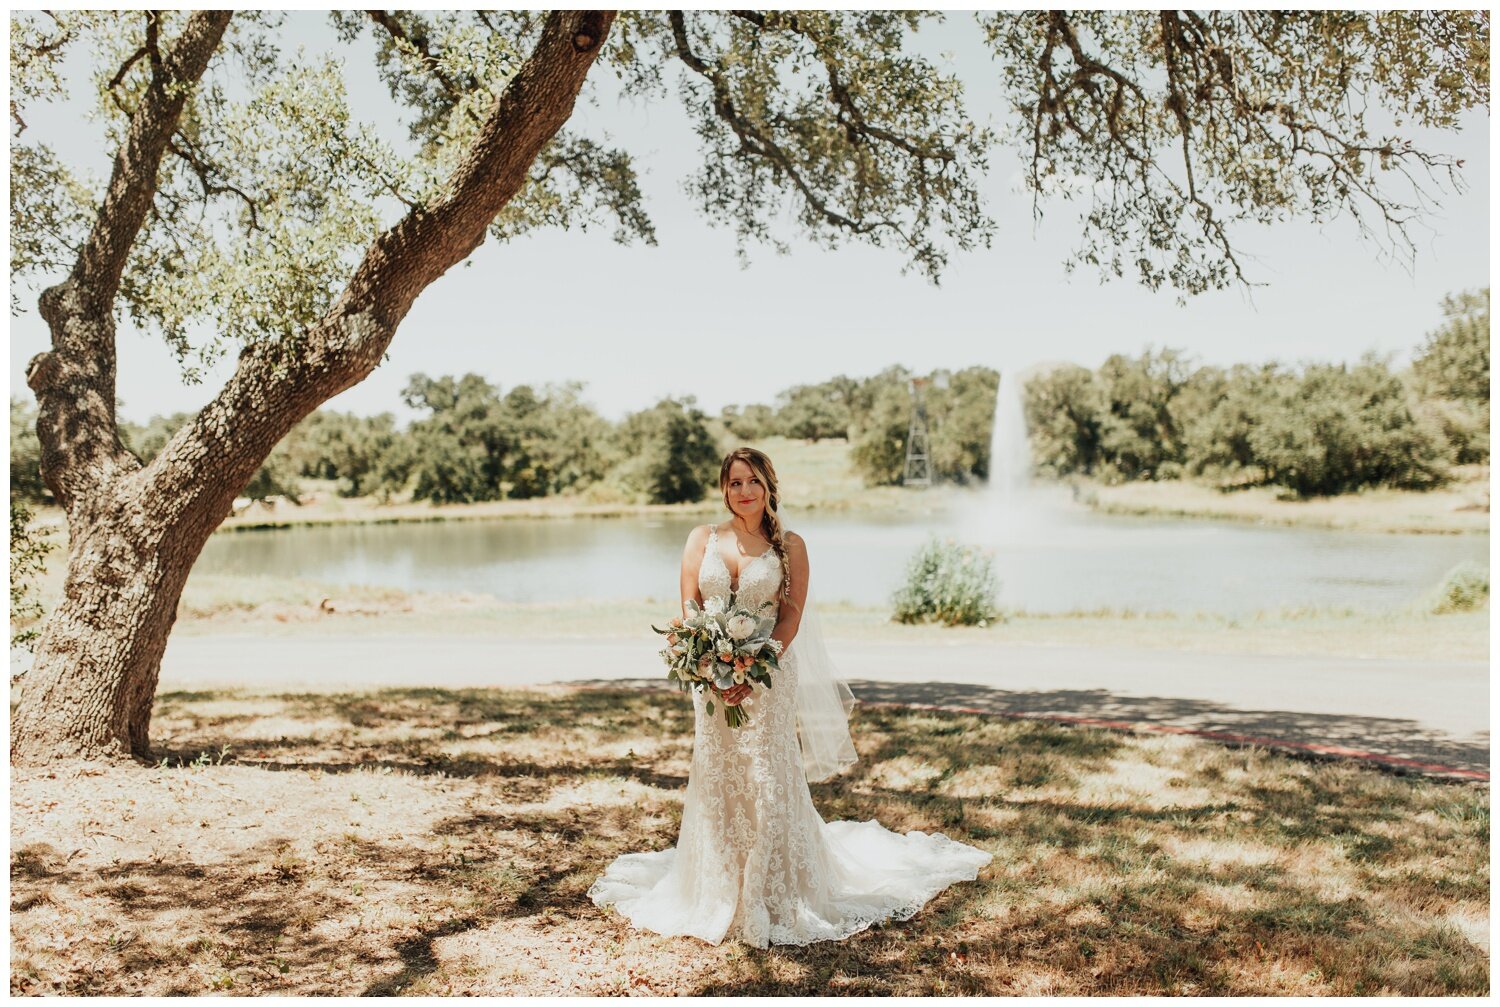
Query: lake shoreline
272, 603
1461, 509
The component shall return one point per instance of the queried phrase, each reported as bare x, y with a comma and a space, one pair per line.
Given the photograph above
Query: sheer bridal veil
824, 701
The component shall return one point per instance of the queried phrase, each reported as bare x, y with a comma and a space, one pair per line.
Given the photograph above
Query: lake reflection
1065, 559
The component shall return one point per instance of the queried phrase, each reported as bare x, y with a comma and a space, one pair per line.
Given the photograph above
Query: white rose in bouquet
740, 627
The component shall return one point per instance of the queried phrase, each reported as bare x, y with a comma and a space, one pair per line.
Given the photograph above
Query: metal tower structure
918, 470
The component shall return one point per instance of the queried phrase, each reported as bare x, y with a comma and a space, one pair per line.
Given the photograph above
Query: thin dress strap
709, 546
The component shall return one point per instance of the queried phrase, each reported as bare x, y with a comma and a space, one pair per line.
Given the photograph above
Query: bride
754, 861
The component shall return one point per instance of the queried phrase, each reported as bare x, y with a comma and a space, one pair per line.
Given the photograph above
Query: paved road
1435, 712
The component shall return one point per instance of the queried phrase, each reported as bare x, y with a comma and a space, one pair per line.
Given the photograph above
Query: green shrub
948, 583
815, 412
749, 423
1466, 588
1141, 427
877, 443
1064, 420
1314, 430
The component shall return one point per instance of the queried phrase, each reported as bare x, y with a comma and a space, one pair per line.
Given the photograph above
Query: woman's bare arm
790, 617
692, 558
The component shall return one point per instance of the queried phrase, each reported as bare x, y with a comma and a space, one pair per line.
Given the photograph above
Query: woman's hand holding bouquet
721, 647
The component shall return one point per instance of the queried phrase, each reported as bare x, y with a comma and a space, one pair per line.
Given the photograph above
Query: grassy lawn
441, 842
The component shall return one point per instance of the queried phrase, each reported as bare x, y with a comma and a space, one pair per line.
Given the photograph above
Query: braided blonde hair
770, 521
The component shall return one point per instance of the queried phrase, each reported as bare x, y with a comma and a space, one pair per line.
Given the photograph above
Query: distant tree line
474, 443
1320, 429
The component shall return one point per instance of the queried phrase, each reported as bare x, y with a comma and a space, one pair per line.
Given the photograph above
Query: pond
1061, 559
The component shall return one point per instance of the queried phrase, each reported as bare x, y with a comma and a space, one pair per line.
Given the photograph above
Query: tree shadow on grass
1397, 737
1085, 895
235, 905
1386, 736
296, 755
465, 717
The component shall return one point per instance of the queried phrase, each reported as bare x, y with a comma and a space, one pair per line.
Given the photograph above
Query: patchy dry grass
441, 841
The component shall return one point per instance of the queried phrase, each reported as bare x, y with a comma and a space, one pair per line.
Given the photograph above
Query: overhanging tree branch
276, 384
133, 182
400, 35
1265, 109
758, 142
205, 171
856, 126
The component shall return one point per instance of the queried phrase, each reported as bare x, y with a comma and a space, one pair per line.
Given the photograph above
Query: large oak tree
245, 199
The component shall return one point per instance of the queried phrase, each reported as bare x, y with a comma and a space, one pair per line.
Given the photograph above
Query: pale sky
684, 318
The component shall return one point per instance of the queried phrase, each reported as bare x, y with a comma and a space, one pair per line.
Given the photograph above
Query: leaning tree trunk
136, 531
91, 689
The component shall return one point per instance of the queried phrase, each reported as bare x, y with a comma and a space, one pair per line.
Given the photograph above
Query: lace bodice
759, 582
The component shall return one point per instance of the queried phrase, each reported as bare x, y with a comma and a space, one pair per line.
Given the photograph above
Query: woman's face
745, 492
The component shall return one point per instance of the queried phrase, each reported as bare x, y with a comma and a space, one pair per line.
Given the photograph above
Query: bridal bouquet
719, 646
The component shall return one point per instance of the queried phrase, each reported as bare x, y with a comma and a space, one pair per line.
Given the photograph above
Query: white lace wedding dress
754, 861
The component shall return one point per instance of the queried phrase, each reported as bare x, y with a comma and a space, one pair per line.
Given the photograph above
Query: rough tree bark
135, 531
